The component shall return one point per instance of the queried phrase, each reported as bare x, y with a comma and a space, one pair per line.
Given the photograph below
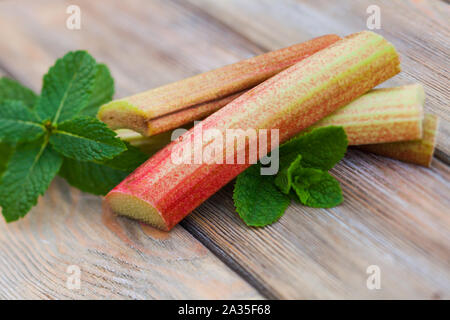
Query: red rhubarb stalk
203, 93
162, 193
379, 116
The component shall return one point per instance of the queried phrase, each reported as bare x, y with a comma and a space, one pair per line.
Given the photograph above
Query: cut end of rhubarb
122, 114
161, 192
135, 208
418, 152
161, 109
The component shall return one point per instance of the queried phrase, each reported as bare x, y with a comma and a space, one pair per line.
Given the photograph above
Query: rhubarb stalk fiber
378, 117
419, 151
178, 103
162, 193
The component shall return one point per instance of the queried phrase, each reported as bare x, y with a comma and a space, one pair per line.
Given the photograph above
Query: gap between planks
5, 72
218, 251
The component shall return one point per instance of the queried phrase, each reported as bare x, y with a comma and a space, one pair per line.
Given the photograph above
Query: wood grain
419, 29
118, 258
394, 215
169, 42
66, 228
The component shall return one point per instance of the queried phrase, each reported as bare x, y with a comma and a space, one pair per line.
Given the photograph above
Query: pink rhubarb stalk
155, 111
379, 116
162, 193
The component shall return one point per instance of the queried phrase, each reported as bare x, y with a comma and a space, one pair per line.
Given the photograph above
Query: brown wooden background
395, 215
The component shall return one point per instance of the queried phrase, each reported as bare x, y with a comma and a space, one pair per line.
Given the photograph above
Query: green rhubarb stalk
381, 115
204, 93
377, 117
161, 192
419, 151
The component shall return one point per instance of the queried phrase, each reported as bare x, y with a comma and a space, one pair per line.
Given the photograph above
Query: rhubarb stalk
377, 117
162, 193
188, 115
204, 93
381, 115
419, 151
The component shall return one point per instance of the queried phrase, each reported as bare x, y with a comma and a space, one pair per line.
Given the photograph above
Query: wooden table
395, 215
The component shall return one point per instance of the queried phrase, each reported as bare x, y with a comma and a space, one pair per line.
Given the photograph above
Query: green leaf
17, 123
100, 178
316, 188
91, 177
86, 139
128, 160
27, 176
102, 93
321, 148
283, 179
257, 200
67, 87
13, 90
5, 153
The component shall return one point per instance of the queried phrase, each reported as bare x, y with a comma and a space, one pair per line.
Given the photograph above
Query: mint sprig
28, 174
57, 133
100, 177
13, 90
316, 188
257, 199
67, 87
18, 123
102, 91
85, 139
91, 177
303, 165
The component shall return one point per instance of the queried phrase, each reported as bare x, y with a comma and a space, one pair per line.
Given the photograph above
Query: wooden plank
419, 30
394, 216
4, 72
118, 258
309, 253
168, 42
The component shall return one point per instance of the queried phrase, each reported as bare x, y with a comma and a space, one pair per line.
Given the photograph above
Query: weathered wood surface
117, 258
419, 30
122, 261
395, 215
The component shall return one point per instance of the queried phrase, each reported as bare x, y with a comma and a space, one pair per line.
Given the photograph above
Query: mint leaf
302, 163
13, 90
257, 199
102, 93
17, 123
5, 153
100, 178
91, 177
67, 87
283, 179
86, 139
128, 160
320, 148
28, 174
316, 188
